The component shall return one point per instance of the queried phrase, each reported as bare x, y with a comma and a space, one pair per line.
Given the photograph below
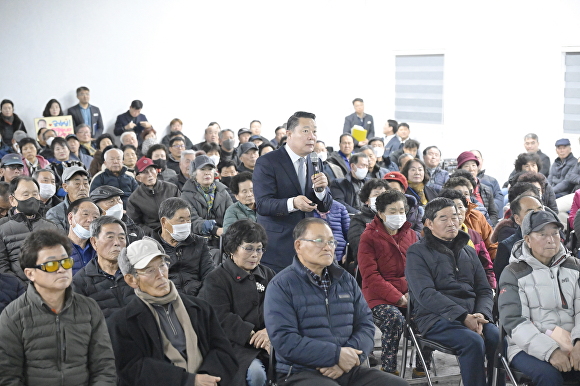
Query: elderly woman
245, 207
32, 161
382, 259
129, 157
208, 198
163, 337
417, 178
236, 291
539, 303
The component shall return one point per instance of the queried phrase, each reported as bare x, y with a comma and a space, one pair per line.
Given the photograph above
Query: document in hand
358, 133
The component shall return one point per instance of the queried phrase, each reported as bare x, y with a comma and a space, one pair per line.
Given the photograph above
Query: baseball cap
143, 164
535, 221
244, 131
202, 160
396, 176
71, 136
141, 252
105, 192
248, 146
563, 142
253, 137
11, 159
68, 173
466, 156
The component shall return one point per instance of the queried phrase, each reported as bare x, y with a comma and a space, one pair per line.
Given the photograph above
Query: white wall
233, 61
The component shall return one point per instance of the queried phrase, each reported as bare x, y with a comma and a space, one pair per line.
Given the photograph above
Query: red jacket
381, 262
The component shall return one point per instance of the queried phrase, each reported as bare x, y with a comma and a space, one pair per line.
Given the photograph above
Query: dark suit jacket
275, 181
393, 145
352, 119
96, 119
138, 346
124, 119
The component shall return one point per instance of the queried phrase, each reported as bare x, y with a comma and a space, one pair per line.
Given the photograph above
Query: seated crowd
142, 258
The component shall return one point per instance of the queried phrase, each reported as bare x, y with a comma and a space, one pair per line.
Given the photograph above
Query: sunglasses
52, 266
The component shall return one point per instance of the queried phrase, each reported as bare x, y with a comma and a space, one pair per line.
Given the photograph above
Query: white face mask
373, 204
47, 191
379, 151
116, 211
322, 156
215, 159
49, 141
361, 173
81, 232
395, 221
181, 231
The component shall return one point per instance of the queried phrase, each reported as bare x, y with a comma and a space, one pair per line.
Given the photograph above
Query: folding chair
420, 343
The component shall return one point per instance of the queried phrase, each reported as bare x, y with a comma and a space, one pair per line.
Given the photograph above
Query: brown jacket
475, 220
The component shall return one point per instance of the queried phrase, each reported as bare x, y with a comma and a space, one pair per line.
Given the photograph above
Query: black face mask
226, 181
28, 207
160, 163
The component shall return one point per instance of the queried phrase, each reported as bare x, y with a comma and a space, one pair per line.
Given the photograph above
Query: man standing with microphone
284, 187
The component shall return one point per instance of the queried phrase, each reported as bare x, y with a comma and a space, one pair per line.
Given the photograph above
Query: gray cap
536, 220
245, 147
68, 173
201, 161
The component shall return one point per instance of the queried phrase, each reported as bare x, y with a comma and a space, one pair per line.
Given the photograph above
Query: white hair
126, 133
108, 151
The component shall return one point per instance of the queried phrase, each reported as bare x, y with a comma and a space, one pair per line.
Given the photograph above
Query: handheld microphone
314, 160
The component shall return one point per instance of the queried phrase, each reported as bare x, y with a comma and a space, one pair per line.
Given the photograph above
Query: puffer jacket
10, 289
123, 181
143, 204
558, 173
437, 178
476, 221
446, 283
238, 211
39, 347
495, 190
489, 202
381, 261
476, 242
57, 214
339, 222
306, 327
13, 230
189, 262
200, 213
534, 297
109, 294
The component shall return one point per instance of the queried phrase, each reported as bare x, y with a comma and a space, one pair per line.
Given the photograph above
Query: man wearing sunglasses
318, 322
163, 337
50, 335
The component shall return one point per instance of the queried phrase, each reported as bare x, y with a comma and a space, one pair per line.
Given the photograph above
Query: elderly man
130, 138
75, 182
11, 167
226, 143
189, 257
437, 176
101, 278
80, 214
310, 290
345, 190
287, 190
143, 204
375, 170
183, 175
46, 181
22, 220
108, 199
560, 169
248, 157
342, 156
115, 175
51, 335
163, 337
211, 135
280, 132
451, 297
539, 301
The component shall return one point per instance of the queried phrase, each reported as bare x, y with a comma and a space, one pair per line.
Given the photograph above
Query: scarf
208, 193
419, 188
194, 357
9, 120
90, 149
464, 228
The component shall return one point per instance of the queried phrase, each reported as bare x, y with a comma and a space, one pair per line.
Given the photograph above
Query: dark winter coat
346, 192
138, 346
10, 289
109, 294
143, 204
558, 173
239, 306
123, 181
339, 222
7, 130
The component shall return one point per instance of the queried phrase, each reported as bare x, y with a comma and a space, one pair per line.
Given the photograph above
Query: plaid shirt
323, 280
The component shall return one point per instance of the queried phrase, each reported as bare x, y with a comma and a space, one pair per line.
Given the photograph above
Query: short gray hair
124, 264
36, 174
170, 206
81, 126
97, 225
531, 136
221, 134
126, 133
111, 149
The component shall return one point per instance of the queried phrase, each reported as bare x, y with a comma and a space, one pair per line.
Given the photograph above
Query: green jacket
39, 347
238, 211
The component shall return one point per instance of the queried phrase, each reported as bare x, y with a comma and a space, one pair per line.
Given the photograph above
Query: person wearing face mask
80, 214
227, 143
108, 199
331, 170
189, 257
144, 202
375, 171
23, 219
345, 190
381, 260
47, 191
158, 154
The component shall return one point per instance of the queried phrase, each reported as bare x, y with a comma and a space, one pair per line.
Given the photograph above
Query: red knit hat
466, 156
396, 176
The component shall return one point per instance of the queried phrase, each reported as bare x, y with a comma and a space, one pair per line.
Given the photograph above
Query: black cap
104, 192
244, 131
245, 147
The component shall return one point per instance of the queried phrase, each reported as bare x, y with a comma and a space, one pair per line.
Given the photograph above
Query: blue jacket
437, 178
10, 289
307, 329
558, 172
81, 257
495, 189
339, 222
123, 181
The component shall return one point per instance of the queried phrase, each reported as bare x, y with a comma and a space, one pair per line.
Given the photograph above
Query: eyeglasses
322, 243
52, 266
250, 250
178, 146
152, 271
15, 167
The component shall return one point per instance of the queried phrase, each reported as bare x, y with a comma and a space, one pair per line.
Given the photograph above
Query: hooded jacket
534, 297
